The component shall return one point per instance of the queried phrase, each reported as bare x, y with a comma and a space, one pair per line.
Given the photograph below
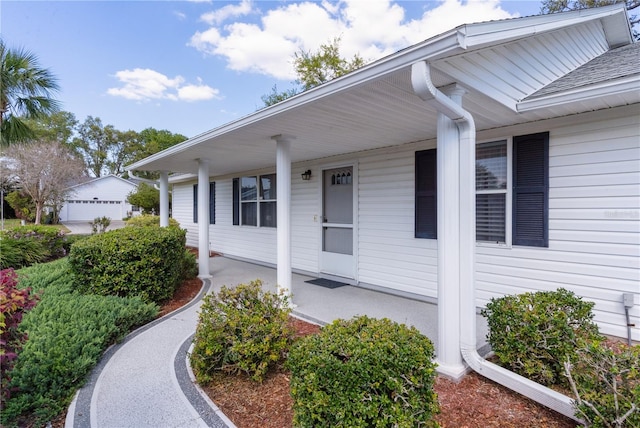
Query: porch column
449, 357
203, 218
283, 191
164, 199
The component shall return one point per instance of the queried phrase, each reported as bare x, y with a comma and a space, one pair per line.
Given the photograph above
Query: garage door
89, 210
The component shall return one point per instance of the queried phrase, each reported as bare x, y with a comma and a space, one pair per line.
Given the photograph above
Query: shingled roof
614, 64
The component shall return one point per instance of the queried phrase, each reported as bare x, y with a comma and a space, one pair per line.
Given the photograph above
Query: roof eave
628, 84
433, 48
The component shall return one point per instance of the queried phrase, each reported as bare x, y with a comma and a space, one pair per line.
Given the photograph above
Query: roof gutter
155, 183
426, 90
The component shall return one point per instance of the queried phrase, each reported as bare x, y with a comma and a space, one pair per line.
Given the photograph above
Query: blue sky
189, 66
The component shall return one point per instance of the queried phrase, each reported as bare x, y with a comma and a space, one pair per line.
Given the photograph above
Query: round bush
133, 261
363, 372
149, 220
533, 333
241, 329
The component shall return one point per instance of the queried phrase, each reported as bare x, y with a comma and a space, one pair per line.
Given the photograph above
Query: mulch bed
473, 402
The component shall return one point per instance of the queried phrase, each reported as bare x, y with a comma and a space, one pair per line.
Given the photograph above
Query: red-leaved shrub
13, 305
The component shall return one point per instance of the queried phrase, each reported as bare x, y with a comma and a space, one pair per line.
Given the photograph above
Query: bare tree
45, 170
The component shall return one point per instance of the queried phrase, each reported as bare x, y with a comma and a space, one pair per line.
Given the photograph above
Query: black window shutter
426, 209
531, 190
236, 201
212, 203
195, 203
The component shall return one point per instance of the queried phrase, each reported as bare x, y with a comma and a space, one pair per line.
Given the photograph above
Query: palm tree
25, 93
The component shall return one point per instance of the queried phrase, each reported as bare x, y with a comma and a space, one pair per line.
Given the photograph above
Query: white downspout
426, 90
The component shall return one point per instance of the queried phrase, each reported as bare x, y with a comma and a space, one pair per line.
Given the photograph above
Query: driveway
84, 227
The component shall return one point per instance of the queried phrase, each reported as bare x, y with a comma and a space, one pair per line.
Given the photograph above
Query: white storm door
337, 222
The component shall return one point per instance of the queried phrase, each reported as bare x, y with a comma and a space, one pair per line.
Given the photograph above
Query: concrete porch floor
323, 305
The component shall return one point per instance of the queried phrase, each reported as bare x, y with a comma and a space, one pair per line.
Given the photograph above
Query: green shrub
363, 372
241, 329
132, 261
69, 240
17, 253
51, 238
189, 265
14, 303
606, 385
25, 245
150, 220
533, 333
100, 224
68, 333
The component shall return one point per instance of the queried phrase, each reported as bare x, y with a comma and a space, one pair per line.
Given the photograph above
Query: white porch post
449, 357
203, 218
164, 199
283, 190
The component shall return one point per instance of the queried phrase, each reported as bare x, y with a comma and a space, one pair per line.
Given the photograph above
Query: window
212, 203
426, 208
254, 201
512, 192
526, 187
491, 192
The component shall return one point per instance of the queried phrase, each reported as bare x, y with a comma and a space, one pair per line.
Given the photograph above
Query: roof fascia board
626, 85
102, 178
618, 31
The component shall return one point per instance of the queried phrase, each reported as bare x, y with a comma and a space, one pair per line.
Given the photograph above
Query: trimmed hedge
150, 220
363, 372
144, 261
68, 332
532, 334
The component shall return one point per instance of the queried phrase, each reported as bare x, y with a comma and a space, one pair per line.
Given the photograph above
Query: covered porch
322, 305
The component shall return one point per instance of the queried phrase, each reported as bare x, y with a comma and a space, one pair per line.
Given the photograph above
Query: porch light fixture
306, 176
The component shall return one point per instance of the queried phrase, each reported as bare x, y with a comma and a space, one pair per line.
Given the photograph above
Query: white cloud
198, 92
143, 84
218, 16
370, 28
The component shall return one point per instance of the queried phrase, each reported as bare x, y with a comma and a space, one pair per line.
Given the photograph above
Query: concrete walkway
144, 381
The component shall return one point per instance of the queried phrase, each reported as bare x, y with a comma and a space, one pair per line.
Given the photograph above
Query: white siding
254, 243
594, 222
594, 225
389, 255
182, 210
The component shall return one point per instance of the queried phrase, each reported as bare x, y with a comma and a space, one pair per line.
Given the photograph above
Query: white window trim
508, 195
258, 201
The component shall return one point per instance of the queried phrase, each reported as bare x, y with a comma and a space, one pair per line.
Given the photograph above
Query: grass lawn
10, 223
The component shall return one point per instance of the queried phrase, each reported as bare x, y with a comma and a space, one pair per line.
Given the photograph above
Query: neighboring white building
496, 158
102, 196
